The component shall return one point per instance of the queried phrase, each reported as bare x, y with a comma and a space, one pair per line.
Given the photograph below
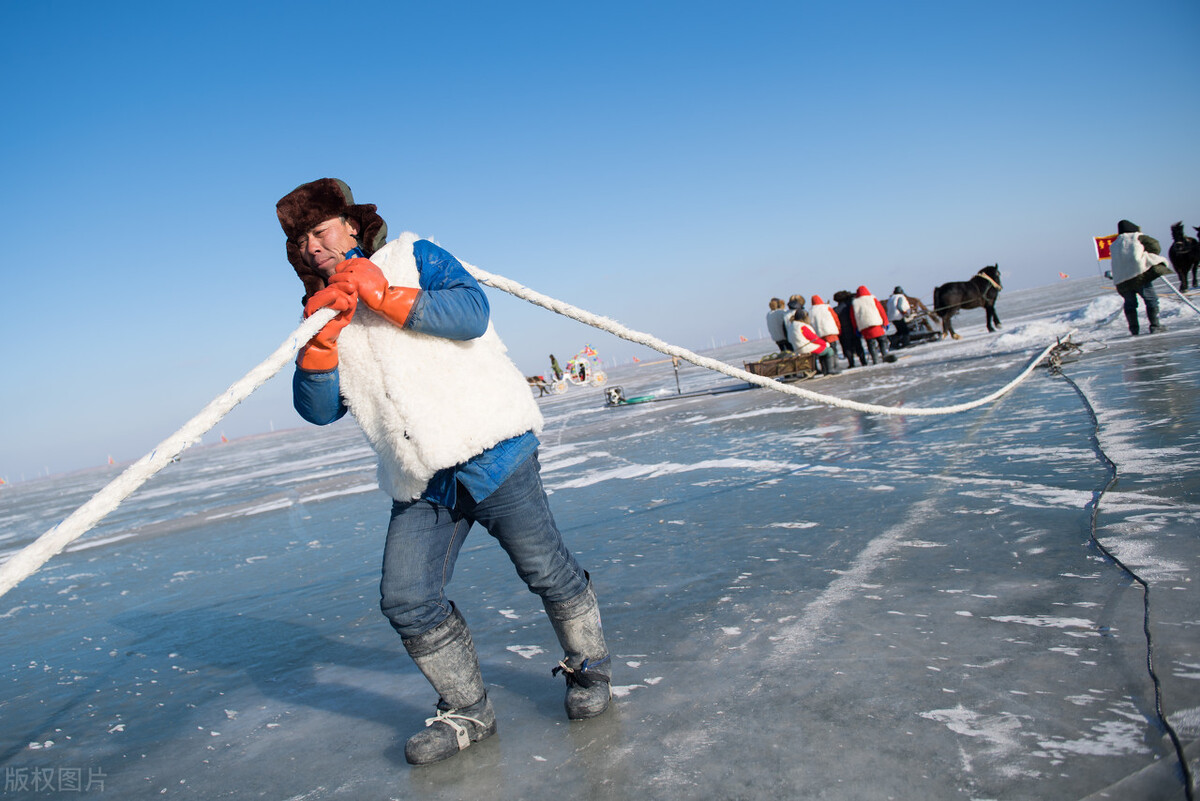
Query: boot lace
451, 718
580, 676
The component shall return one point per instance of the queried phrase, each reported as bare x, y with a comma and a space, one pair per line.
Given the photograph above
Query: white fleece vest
866, 313
897, 307
424, 402
823, 322
1130, 258
801, 343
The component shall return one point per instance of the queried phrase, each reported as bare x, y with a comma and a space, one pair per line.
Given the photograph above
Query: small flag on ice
1104, 245
1063, 275
743, 339
636, 359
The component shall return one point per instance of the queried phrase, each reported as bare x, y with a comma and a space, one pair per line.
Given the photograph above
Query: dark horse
982, 290
1185, 255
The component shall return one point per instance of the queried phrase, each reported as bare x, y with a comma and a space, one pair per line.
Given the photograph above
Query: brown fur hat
311, 204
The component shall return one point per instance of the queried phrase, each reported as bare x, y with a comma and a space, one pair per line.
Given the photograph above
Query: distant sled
615, 396
786, 367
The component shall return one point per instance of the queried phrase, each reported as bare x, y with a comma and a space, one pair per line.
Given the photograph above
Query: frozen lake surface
801, 601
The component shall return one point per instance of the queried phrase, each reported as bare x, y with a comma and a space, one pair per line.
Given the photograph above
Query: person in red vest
806, 340
824, 322
870, 319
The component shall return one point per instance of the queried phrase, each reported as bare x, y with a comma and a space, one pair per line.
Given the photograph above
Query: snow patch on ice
1046, 621
630, 471
999, 731
1112, 738
527, 651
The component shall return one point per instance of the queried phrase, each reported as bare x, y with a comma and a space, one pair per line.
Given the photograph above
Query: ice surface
801, 601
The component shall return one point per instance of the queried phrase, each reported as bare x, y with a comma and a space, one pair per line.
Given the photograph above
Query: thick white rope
613, 327
34, 555
1171, 286
31, 557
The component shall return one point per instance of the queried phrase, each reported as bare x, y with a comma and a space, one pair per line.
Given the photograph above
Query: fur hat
1126, 227
898, 291
311, 204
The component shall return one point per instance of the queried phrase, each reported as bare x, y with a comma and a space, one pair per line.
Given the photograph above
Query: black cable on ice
1055, 365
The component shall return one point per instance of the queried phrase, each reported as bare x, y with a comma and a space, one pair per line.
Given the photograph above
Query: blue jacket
451, 304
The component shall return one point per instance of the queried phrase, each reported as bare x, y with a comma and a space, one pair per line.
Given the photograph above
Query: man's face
326, 244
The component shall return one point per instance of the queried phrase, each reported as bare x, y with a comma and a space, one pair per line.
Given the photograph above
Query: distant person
898, 309
1136, 263
807, 341
870, 318
795, 303
824, 321
413, 356
849, 338
555, 369
777, 324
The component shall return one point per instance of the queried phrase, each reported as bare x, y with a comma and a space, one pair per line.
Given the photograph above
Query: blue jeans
424, 539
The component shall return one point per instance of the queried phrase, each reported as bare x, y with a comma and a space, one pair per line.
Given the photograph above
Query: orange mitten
393, 303
320, 354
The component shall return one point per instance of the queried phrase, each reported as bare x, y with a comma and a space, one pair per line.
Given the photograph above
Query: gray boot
585, 663
446, 655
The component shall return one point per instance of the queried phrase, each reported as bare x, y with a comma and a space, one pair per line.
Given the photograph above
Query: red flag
1063, 275
1103, 245
636, 359
743, 339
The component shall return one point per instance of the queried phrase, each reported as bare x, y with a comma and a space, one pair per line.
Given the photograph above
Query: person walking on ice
1136, 263
412, 355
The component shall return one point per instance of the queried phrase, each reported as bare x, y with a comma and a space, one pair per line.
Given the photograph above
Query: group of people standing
854, 319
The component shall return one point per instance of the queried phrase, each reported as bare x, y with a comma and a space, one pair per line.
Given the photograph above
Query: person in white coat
777, 324
1136, 263
898, 308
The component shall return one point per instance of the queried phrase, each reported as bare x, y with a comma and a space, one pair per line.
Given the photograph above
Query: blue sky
671, 165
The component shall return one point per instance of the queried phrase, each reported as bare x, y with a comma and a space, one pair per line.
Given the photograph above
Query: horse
1184, 254
982, 290
538, 382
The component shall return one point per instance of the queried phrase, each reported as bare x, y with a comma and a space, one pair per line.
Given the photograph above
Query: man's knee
412, 617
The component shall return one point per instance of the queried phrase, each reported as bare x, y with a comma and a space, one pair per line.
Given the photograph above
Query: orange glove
393, 303
320, 354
